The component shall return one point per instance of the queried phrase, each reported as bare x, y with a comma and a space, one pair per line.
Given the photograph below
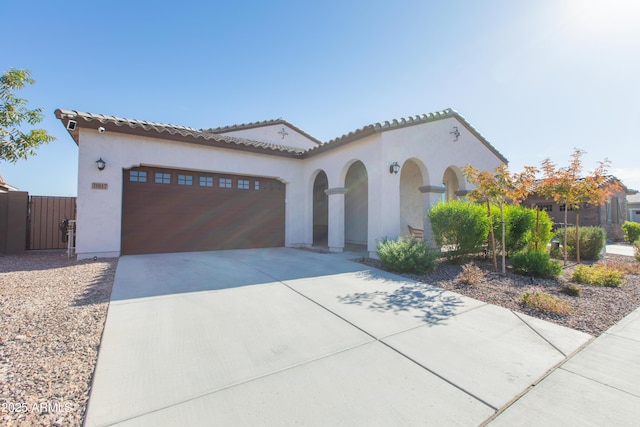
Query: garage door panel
177, 218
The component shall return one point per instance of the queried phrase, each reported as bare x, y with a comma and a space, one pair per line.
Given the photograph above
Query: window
225, 183
546, 208
163, 178
243, 184
137, 176
185, 180
564, 207
206, 181
256, 185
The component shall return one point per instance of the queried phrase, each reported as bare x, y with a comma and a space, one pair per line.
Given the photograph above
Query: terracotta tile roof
253, 125
212, 136
167, 131
380, 127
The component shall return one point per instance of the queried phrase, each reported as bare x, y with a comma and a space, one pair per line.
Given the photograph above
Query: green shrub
631, 231
556, 252
407, 255
571, 289
520, 226
636, 246
545, 302
544, 234
471, 274
592, 241
598, 275
535, 263
460, 224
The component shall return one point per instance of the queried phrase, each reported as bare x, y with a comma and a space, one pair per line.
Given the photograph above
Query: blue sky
536, 78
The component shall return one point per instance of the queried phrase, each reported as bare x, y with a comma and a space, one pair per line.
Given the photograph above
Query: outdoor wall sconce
455, 132
101, 164
394, 168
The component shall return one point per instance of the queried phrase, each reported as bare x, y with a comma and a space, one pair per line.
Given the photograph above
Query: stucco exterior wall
100, 211
433, 149
273, 134
430, 147
411, 199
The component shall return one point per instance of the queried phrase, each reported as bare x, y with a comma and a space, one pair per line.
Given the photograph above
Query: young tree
14, 143
499, 187
567, 186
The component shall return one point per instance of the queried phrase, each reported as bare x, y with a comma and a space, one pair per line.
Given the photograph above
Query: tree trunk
578, 236
565, 234
535, 238
504, 257
492, 239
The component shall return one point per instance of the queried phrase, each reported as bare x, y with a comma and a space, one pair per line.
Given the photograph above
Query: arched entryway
451, 182
411, 199
320, 210
356, 205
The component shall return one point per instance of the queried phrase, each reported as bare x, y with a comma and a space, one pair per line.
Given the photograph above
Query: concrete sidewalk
599, 386
283, 336
621, 249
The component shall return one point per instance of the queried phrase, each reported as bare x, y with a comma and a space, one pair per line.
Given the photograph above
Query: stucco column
336, 218
432, 196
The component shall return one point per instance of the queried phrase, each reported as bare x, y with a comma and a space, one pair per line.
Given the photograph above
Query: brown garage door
165, 210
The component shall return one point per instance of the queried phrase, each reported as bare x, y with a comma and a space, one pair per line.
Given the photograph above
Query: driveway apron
285, 336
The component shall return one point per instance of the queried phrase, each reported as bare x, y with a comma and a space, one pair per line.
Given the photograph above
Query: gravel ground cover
52, 313
595, 311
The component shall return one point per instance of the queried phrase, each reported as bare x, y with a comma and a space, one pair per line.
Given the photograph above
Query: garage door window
256, 185
243, 184
206, 181
185, 180
225, 183
137, 176
163, 178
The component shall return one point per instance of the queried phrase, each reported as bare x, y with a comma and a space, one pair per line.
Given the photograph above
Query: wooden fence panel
45, 215
13, 222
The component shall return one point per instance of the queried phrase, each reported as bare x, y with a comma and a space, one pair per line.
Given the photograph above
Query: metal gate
46, 215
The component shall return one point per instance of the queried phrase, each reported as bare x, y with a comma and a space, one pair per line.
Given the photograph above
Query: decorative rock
53, 311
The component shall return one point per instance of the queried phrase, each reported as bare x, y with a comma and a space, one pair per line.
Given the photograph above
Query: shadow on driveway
429, 304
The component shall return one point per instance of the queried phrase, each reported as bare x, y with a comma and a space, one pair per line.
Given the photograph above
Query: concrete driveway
284, 336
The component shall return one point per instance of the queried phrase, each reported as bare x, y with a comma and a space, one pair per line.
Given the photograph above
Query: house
4, 187
609, 216
633, 204
146, 187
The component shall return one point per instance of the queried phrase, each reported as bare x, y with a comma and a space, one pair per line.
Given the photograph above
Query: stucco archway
411, 199
356, 205
451, 180
320, 210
